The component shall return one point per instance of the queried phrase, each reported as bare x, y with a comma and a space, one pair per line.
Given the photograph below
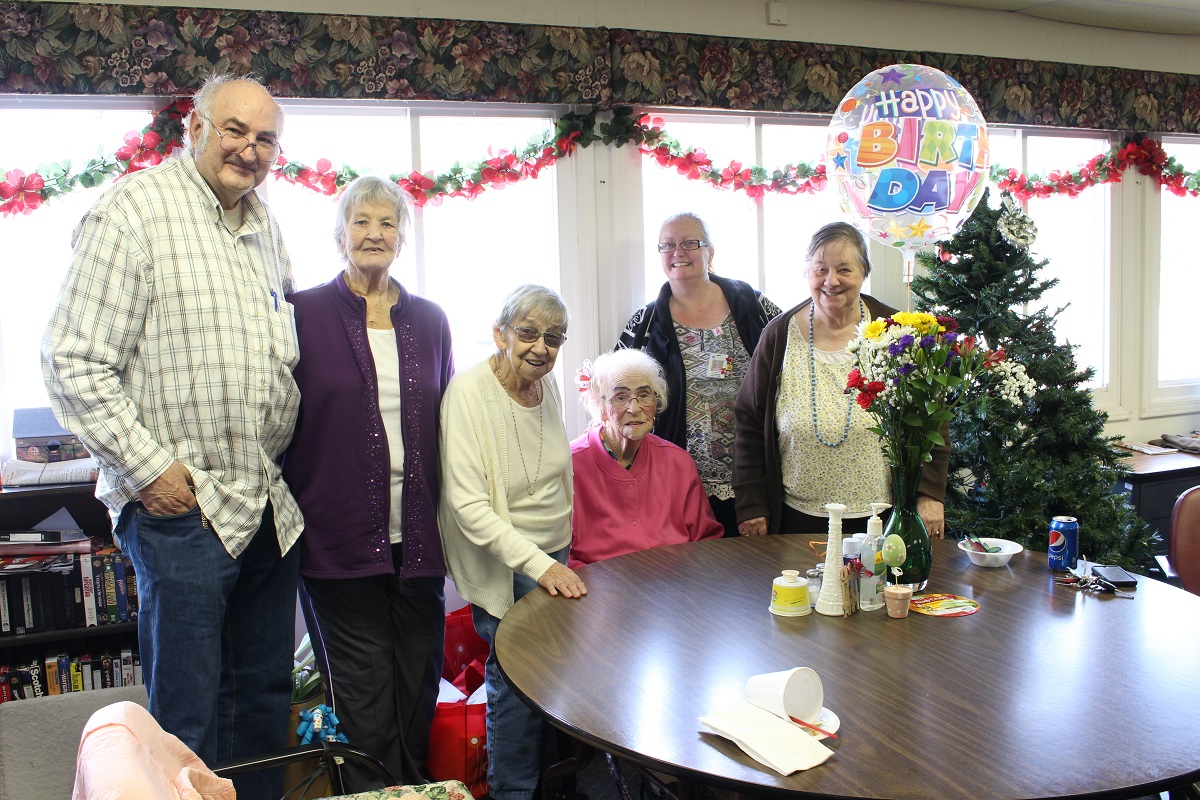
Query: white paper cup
791, 693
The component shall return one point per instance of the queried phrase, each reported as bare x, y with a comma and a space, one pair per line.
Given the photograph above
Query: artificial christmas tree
1012, 468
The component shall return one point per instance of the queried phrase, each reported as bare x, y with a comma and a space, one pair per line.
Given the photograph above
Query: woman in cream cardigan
505, 514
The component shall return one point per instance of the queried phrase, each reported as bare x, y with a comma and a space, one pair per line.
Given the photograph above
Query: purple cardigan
338, 465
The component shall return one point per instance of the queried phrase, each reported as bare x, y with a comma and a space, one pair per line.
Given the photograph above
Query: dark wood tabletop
1044, 692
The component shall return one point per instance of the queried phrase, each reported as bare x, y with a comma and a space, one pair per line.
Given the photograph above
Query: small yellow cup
789, 595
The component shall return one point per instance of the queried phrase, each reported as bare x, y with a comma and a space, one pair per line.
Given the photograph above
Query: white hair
606, 368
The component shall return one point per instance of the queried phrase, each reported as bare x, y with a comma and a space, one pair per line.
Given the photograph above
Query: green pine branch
1013, 468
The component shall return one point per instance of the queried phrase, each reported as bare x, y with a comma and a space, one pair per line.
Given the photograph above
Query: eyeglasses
686, 244
645, 398
531, 335
264, 149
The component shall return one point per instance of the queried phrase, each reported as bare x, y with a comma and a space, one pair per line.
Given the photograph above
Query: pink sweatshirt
658, 501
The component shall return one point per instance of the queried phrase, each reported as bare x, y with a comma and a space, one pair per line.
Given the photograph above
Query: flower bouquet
913, 370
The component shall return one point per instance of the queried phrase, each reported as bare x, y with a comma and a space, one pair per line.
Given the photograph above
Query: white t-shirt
387, 373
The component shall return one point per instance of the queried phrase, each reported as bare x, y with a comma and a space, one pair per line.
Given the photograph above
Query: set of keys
1090, 583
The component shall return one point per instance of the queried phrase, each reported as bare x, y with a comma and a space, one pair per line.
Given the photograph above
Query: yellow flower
874, 329
922, 323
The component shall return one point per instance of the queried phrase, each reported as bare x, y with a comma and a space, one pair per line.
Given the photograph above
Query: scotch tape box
38, 437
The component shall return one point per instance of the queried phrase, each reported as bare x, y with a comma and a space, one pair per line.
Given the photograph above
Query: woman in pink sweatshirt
633, 490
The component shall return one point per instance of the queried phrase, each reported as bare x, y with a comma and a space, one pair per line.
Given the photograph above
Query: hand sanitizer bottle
870, 588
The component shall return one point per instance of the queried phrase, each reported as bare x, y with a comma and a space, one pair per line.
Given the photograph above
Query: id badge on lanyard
720, 365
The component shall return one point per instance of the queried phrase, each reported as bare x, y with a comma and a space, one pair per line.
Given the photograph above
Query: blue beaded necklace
812, 378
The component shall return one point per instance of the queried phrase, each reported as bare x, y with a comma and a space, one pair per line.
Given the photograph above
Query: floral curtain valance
765, 75
113, 49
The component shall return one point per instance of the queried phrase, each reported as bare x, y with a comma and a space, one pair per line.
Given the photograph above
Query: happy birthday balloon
908, 152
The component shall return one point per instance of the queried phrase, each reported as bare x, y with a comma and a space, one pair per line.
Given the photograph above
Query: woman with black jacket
702, 329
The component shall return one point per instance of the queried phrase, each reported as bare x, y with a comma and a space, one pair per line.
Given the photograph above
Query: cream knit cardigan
482, 548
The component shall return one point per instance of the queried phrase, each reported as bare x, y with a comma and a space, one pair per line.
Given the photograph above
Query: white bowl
1007, 550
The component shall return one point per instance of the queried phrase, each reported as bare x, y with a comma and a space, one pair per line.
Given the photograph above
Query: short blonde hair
604, 370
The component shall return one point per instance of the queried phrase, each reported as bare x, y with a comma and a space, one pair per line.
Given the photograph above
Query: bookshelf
24, 507
122, 631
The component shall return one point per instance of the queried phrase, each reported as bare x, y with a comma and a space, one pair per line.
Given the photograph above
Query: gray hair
605, 370
840, 232
371, 189
202, 102
531, 300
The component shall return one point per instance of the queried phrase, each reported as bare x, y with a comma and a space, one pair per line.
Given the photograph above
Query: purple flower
906, 368
906, 340
949, 337
895, 349
896, 381
928, 342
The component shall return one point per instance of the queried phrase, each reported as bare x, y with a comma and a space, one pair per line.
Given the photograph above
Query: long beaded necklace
517, 431
812, 377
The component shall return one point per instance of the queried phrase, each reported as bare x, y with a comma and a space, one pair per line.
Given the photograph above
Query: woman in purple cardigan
364, 467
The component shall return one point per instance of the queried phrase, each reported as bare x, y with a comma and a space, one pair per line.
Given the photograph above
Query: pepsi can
1064, 543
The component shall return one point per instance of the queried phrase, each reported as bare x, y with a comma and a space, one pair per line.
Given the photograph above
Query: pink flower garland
22, 192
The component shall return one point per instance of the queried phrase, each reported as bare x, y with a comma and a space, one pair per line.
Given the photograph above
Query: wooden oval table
1044, 692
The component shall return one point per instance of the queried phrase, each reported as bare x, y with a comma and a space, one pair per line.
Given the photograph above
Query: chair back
39, 740
1183, 549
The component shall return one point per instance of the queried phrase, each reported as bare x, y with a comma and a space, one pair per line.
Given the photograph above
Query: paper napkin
783, 746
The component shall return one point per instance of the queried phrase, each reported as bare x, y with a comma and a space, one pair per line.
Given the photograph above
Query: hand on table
753, 527
933, 514
560, 580
169, 493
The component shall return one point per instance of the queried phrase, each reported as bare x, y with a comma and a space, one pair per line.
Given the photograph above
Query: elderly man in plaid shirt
170, 354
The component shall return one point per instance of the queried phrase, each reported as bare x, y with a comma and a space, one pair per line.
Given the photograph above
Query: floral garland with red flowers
23, 192
1138, 152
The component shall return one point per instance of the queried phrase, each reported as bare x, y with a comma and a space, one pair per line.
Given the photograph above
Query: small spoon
978, 545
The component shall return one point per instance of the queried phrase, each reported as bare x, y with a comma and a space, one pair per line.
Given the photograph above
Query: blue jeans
514, 730
217, 636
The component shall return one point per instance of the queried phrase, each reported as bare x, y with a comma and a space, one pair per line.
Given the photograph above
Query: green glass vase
906, 523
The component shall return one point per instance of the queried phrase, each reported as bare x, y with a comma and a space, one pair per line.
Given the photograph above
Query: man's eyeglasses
531, 335
265, 150
645, 398
686, 244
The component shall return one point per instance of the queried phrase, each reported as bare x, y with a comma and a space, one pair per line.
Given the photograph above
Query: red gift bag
458, 738
463, 646
458, 745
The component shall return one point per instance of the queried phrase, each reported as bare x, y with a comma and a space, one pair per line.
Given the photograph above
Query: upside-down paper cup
791, 693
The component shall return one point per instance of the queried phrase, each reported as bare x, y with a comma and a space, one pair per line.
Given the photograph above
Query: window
730, 216
1074, 235
763, 243
37, 246
789, 221
1178, 277
465, 255
474, 252
373, 140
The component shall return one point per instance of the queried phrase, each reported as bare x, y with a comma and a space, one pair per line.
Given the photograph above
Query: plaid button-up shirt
172, 341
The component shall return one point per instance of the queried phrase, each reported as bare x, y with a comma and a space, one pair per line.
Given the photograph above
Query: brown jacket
757, 470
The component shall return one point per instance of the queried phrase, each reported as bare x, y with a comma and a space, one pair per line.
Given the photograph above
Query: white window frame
1155, 400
